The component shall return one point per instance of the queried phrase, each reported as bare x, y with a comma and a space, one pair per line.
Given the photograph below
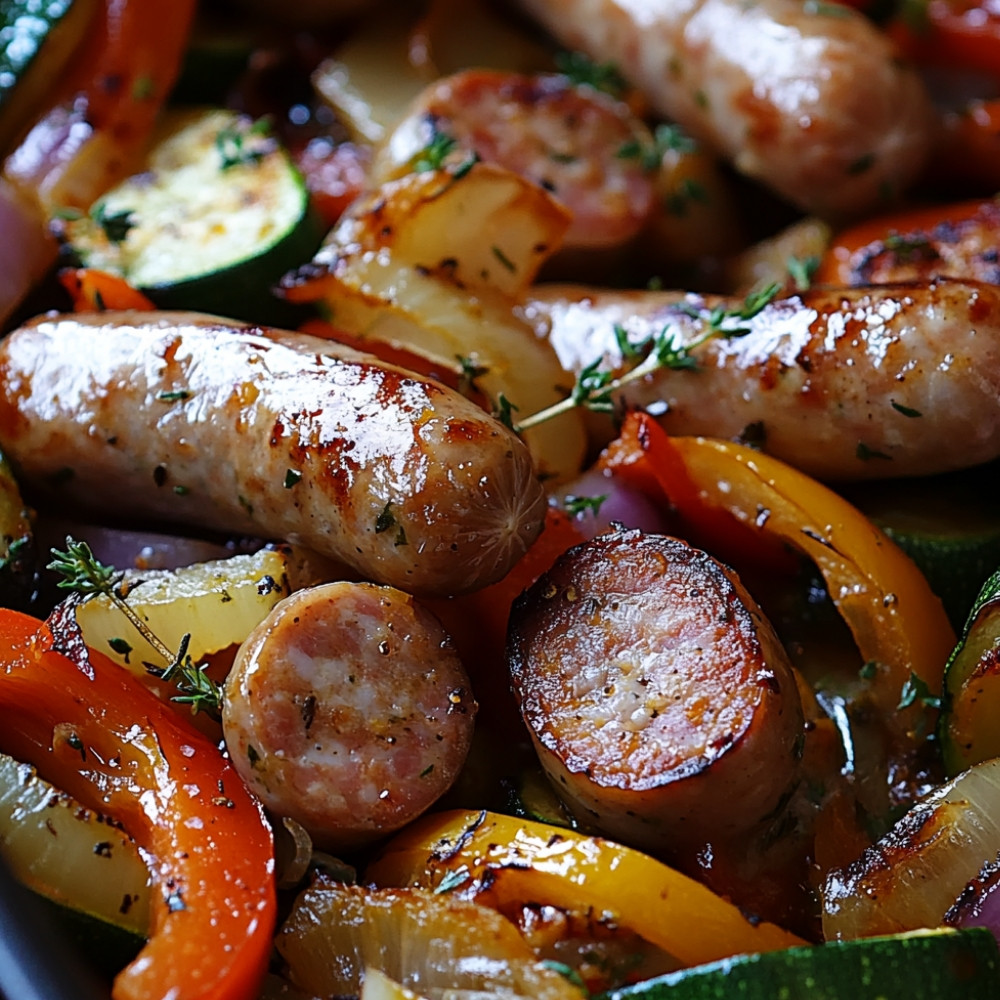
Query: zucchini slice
967, 727
217, 216
920, 965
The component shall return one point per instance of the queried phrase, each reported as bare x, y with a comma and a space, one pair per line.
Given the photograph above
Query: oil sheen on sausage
810, 99
853, 383
194, 420
661, 702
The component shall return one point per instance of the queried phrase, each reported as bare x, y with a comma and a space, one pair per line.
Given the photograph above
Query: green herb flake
385, 520
801, 270
173, 395
577, 505
116, 225
866, 453
121, 647
504, 259
452, 880
916, 690
907, 411
292, 477
434, 154
584, 71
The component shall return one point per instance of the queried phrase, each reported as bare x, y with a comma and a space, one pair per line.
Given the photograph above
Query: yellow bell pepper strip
93, 730
501, 860
898, 623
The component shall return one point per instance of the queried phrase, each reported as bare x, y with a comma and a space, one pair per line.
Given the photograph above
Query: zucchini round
217, 216
921, 965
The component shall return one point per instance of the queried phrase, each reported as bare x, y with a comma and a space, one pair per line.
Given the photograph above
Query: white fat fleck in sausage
810, 99
660, 701
572, 140
195, 420
853, 383
348, 710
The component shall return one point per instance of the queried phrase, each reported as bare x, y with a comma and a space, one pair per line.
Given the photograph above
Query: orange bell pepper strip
94, 731
103, 108
93, 290
898, 623
500, 860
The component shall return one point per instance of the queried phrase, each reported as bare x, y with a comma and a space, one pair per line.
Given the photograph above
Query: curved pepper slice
94, 731
102, 109
897, 622
498, 860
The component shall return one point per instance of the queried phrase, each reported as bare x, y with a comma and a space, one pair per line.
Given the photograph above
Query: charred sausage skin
349, 710
812, 100
660, 701
195, 420
852, 383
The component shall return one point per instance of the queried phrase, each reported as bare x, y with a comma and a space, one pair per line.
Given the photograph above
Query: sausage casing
851, 383
810, 99
194, 420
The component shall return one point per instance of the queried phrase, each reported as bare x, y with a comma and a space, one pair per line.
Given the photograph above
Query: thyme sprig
596, 385
84, 574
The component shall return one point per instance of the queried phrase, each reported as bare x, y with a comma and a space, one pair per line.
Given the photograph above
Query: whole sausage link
809, 99
194, 420
852, 383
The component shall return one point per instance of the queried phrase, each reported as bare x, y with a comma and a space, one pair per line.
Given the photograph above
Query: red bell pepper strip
94, 731
102, 110
94, 291
953, 34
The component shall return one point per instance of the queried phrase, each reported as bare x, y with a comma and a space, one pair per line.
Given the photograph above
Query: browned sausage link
660, 701
810, 99
958, 241
892, 380
199, 421
348, 710
569, 139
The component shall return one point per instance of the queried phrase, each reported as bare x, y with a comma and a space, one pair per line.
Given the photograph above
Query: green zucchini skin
216, 217
967, 727
924, 965
949, 525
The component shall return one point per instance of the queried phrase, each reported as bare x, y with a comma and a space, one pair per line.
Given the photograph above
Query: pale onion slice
376, 985
470, 34
479, 227
433, 944
433, 264
370, 80
915, 874
68, 853
217, 602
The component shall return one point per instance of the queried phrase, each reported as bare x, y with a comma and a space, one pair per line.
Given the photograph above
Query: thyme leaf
83, 573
